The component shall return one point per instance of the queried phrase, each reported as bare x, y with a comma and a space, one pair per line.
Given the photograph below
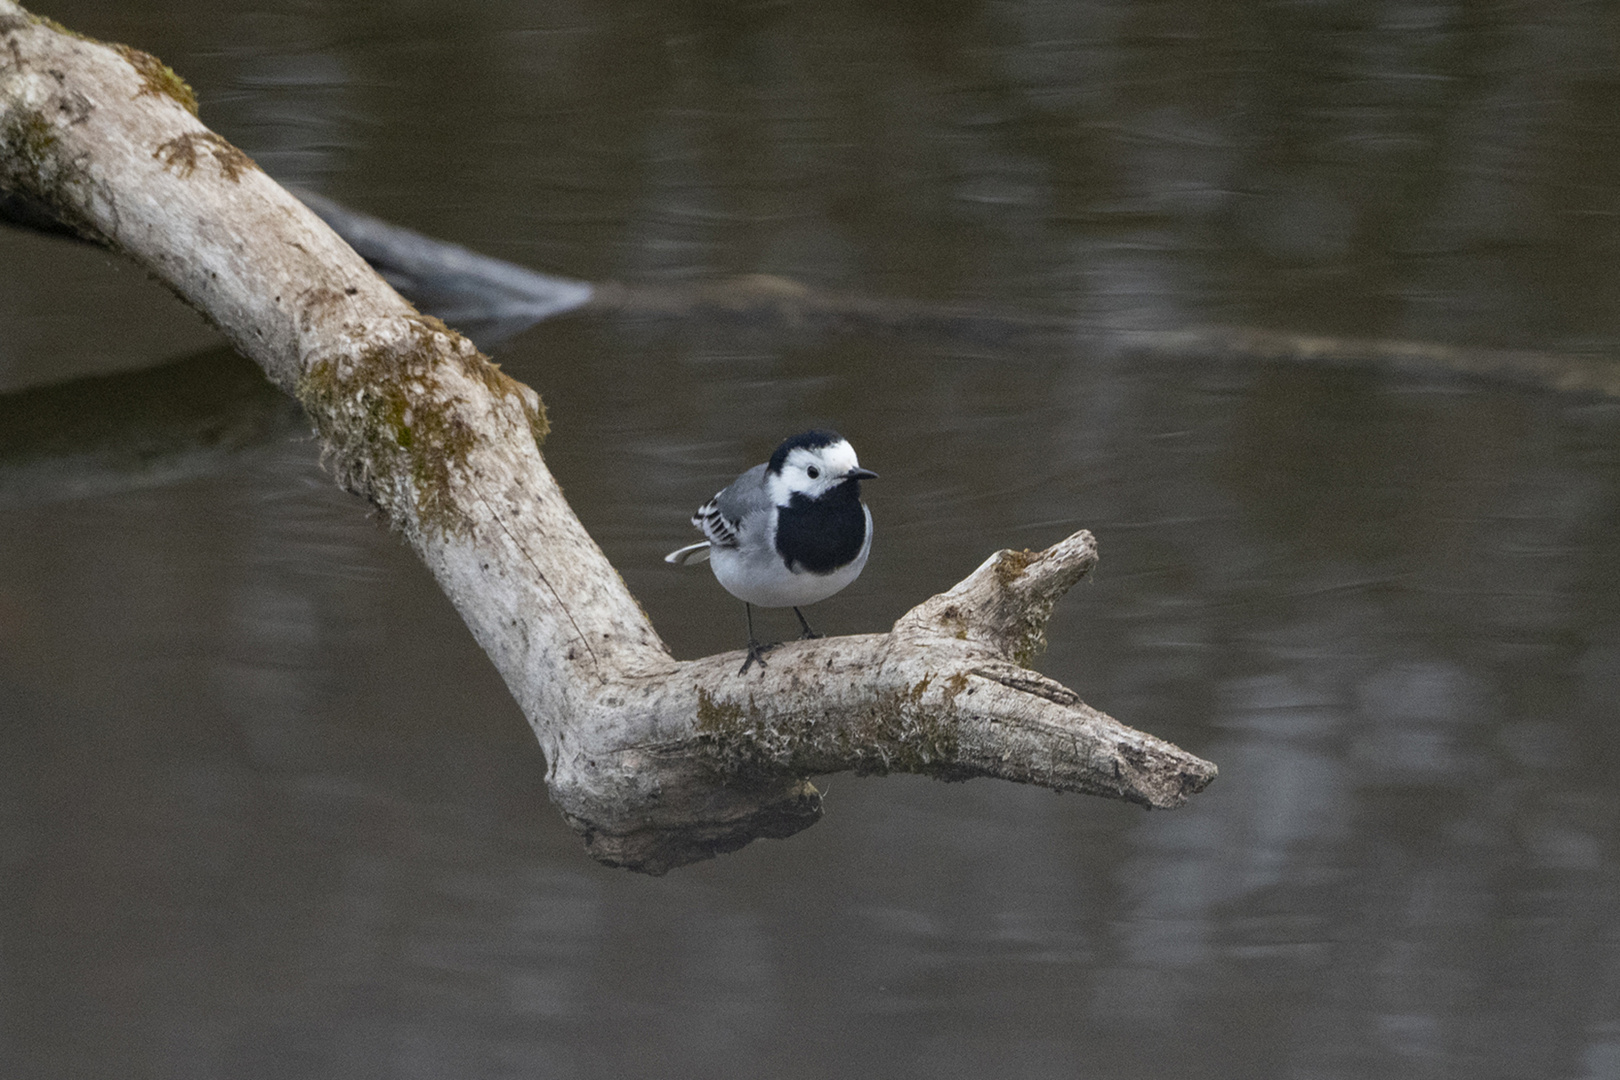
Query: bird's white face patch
812, 472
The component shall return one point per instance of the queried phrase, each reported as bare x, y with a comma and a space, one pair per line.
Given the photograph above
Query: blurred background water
266, 811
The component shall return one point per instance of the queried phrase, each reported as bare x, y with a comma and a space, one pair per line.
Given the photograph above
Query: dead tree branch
655, 762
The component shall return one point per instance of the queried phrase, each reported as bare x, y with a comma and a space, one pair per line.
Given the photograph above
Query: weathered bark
655, 762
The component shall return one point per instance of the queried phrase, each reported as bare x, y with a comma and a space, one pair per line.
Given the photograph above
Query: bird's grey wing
745, 496
721, 516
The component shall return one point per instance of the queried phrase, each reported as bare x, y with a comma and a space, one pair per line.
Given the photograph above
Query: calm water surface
266, 811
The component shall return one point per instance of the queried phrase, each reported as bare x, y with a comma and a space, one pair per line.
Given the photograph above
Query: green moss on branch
395, 424
158, 78
901, 730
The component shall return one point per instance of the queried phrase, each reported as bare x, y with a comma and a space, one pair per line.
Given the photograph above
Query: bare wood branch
655, 762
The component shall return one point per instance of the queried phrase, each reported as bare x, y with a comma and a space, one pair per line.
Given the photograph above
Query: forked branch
655, 762
943, 694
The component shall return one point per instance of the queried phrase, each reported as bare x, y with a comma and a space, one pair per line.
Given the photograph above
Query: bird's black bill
860, 474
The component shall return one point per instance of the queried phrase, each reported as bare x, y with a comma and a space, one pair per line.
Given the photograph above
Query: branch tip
1003, 606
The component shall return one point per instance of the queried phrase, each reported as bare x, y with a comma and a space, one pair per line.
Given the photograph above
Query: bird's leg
808, 633
756, 651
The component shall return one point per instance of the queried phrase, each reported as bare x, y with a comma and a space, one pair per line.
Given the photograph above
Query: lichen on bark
394, 420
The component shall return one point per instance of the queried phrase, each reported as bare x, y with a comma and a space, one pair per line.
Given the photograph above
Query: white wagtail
789, 532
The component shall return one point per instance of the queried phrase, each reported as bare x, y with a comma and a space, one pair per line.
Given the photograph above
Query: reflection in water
264, 809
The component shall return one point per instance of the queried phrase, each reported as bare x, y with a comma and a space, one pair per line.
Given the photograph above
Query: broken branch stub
1004, 605
655, 762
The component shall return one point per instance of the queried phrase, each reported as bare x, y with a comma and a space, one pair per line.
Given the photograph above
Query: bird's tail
691, 553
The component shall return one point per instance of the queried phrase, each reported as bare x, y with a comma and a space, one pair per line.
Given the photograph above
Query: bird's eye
813, 473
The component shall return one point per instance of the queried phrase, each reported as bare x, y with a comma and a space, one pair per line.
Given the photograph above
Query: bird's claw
756, 653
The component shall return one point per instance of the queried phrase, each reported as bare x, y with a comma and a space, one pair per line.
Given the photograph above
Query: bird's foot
808, 634
756, 654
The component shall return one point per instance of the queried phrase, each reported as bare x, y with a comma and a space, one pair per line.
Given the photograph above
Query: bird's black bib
821, 535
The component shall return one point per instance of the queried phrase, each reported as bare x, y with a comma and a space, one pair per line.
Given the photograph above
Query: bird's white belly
764, 580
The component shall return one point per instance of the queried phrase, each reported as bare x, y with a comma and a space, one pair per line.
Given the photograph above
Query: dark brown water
266, 811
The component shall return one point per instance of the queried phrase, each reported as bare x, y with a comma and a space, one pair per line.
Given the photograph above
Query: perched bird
789, 532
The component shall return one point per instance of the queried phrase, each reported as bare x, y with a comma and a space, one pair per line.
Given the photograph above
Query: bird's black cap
809, 440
